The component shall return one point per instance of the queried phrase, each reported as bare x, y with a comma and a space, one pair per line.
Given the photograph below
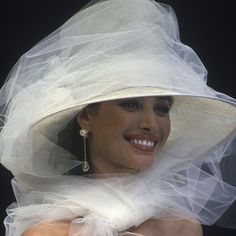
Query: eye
130, 105
162, 108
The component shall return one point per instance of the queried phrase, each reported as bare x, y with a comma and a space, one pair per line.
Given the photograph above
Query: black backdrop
207, 26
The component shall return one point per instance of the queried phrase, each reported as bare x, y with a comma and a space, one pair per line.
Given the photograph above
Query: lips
146, 143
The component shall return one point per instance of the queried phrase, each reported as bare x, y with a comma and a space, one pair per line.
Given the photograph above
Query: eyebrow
168, 98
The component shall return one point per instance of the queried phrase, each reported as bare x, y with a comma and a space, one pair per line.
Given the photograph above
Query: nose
148, 121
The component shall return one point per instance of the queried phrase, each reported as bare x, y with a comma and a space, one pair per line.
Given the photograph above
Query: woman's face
125, 135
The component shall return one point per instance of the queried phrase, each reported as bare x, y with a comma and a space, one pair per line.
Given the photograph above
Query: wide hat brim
199, 124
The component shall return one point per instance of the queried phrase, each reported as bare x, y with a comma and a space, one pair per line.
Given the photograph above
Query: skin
117, 123
113, 129
60, 228
148, 228
168, 228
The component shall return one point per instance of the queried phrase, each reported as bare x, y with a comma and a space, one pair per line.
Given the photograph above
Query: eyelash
130, 105
161, 108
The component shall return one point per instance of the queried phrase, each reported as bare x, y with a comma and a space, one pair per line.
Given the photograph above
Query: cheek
113, 132
120, 124
107, 131
110, 127
166, 127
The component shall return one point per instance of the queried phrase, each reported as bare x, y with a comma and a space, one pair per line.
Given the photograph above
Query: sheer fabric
110, 50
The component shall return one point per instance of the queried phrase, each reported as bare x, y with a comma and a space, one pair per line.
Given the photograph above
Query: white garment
111, 50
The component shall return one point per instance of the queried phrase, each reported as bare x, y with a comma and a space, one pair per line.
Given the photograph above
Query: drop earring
85, 165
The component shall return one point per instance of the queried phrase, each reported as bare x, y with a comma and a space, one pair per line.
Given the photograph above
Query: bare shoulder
59, 228
181, 227
153, 227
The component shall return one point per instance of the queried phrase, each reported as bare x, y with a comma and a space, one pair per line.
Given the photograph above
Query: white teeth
146, 143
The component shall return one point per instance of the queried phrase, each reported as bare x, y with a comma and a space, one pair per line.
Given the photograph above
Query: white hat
106, 52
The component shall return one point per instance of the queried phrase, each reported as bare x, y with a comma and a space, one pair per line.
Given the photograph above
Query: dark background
206, 26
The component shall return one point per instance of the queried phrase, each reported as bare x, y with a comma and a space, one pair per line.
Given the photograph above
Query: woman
134, 131
146, 170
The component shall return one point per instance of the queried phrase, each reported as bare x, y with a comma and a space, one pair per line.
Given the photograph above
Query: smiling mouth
146, 144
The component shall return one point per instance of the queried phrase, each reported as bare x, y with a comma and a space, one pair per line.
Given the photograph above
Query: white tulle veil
110, 50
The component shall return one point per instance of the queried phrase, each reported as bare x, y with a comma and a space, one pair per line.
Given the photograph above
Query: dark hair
70, 139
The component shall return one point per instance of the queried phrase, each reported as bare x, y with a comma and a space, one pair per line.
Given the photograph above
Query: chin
144, 162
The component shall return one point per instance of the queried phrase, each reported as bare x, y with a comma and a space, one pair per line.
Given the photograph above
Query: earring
84, 134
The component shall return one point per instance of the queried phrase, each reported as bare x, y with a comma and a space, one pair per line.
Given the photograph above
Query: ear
84, 119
